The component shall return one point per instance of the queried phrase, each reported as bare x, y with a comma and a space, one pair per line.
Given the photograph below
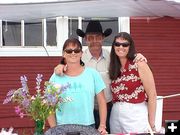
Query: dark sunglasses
117, 44
69, 51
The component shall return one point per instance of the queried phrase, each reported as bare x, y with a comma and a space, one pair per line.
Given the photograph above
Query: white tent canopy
28, 10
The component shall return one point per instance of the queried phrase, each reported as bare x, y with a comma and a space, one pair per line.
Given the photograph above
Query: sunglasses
69, 51
117, 44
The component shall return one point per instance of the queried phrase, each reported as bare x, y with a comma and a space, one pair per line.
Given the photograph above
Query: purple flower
22, 92
10, 93
51, 99
37, 106
17, 109
64, 87
24, 83
21, 115
7, 100
25, 103
38, 81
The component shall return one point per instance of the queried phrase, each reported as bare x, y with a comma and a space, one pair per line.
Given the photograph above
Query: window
29, 38
51, 32
73, 26
11, 33
33, 33
45, 37
106, 23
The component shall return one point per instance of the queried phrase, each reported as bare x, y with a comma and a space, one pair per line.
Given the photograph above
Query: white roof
16, 10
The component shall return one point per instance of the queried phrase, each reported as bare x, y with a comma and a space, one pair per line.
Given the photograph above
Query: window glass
11, 33
33, 33
72, 26
51, 32
106, 23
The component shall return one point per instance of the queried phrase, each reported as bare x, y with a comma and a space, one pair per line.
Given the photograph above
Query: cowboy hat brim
82, 34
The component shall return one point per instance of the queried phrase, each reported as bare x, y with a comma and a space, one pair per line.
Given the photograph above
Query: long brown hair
115, 65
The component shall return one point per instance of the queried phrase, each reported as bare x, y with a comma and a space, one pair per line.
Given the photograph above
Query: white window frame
62, 35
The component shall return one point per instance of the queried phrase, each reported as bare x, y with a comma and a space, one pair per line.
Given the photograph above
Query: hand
153, 128
140, 57
102, 130
60, 69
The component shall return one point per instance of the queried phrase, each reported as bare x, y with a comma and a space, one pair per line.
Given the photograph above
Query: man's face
94, 41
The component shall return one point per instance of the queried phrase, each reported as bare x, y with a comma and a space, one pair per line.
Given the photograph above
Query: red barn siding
159, 40
11, 68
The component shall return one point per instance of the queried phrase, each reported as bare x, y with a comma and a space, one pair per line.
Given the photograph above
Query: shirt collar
89, 55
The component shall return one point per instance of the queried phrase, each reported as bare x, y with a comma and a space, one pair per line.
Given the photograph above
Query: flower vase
39, 127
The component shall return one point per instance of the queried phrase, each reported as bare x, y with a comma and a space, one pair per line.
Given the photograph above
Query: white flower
9, 132
33, 98
57, 86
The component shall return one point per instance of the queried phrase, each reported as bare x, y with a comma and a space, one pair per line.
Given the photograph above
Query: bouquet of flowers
38, 106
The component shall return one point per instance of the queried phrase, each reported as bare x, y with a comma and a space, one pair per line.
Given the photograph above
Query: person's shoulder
54, 75
90, 69
86, 51
92, 72
86, 55
141, 64
105, 51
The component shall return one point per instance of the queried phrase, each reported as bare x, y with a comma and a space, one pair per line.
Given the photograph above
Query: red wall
159, 40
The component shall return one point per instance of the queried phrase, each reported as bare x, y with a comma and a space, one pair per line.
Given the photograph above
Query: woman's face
121, 47
72, 53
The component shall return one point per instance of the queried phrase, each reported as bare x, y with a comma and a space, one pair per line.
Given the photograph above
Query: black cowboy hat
94, 27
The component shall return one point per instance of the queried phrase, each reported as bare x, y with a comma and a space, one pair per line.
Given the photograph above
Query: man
97, 57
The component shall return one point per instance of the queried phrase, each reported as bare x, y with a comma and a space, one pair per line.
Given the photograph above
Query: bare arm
52, 120
149, 85
102, 112
140, 57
